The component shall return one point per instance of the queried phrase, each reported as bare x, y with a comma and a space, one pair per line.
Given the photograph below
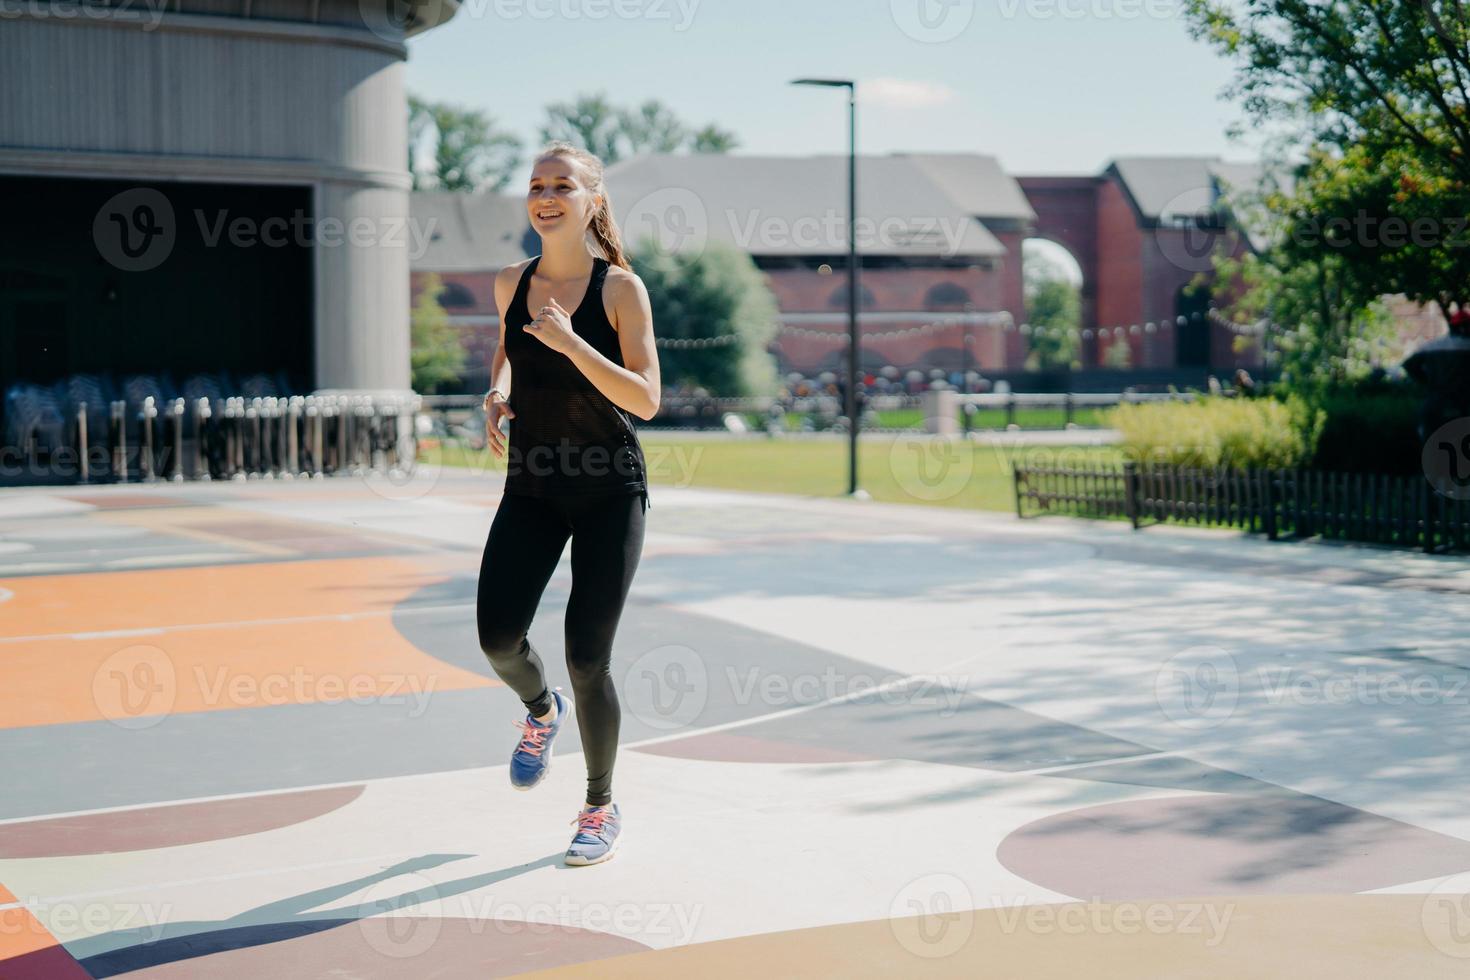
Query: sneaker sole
576, 862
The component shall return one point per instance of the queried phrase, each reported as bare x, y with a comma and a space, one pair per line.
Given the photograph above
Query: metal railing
1402, 510
232, 438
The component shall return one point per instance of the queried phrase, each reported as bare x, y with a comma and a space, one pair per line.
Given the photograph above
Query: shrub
436, 356
1214, 432
1368, 428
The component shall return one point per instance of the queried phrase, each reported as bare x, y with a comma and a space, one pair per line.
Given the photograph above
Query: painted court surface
246, 731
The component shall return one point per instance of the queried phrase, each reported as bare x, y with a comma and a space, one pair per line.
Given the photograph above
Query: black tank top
567, 437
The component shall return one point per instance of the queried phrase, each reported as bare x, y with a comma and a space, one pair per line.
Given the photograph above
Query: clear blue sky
1048, 86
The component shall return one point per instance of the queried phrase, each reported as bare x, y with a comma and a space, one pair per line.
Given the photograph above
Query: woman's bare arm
500, 375
505, 290
635, 386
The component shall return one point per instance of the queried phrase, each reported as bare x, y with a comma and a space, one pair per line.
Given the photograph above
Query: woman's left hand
553, 327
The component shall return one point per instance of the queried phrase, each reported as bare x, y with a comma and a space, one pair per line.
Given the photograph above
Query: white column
362, 297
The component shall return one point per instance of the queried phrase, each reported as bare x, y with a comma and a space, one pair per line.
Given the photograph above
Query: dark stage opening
169, 280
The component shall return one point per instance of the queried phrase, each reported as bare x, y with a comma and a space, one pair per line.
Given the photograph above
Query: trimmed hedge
1370, 427
1212, 432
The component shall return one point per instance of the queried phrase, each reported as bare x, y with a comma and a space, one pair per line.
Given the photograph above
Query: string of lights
696, 343
1008, 324
1005, 320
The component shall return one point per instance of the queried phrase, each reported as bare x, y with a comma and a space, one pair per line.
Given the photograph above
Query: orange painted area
91, 602
21, 933
28, 951
230, 642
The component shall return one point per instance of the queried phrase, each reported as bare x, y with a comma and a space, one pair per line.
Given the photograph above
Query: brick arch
1066, 213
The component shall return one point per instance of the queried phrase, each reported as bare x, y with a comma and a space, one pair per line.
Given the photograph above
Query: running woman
568, 377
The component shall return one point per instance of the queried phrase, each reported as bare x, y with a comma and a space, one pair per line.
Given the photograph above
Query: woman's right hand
496, 409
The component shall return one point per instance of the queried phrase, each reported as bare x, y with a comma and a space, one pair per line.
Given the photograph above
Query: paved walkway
246, 730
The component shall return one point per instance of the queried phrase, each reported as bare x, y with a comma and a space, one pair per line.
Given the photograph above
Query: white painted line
803, 708
112, 634
1141, 757
237, 623
248, 794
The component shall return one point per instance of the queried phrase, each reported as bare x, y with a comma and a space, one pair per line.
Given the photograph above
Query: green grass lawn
995, 418
902, 470
987, 418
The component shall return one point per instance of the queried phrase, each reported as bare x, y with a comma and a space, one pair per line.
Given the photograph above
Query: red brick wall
892, 290
1119, 263
1172, 259
478, 339
807, 291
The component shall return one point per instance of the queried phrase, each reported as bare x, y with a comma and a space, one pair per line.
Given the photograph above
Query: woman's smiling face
557, 198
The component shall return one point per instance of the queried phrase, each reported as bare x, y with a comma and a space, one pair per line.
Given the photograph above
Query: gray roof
914, 204
1170, 190
470, 232
977, 184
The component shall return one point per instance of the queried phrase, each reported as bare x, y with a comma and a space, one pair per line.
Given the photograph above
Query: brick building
1141, 231
469, 238
940, 242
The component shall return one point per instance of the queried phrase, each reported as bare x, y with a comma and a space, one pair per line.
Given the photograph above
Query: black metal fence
204, 438
1406, 511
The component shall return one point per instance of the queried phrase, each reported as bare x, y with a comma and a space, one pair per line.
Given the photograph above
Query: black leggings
526, 541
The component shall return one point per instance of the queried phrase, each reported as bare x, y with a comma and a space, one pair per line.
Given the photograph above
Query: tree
470, 152
436, 354
713, 139
1377, 92
1399, 227
590, 122
1321, 336
1352, 71
613, 134
1054, 313
718, 293
420, 123
652, 128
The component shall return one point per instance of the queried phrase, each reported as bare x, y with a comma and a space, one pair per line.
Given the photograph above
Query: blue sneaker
597, 835
531, 760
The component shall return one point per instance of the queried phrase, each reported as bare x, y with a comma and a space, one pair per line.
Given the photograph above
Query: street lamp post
853, 340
